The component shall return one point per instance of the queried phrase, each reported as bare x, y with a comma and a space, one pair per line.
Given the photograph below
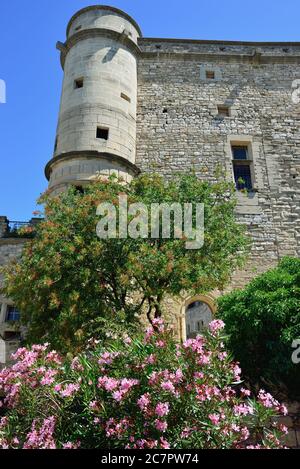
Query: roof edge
104, 7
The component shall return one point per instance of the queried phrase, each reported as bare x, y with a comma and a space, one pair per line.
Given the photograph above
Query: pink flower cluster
43, 437
27, 372
268, 401
68, 390
119, 387
107, 358
216, 326
116, 429
149, 399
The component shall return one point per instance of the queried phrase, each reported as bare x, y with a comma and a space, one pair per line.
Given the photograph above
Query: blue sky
29, 64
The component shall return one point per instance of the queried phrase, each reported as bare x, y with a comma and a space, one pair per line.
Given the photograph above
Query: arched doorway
197, 313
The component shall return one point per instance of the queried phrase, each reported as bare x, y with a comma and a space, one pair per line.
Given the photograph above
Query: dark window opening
78, 83
10, 335
210, 75
240, 152
55, 144
242, 168
102, 133
223, 111
13, 314
165, 110
124, 96
242, 176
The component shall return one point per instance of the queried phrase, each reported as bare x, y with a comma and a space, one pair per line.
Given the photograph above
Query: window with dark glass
13, 314
242, 167
223, 111
78, 83
102, 133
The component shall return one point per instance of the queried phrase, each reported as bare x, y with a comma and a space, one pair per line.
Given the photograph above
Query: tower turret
96, 132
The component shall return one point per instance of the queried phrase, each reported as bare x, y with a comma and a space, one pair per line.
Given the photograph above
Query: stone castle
132, 104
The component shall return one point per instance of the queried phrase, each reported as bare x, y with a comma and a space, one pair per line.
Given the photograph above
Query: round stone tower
96, 132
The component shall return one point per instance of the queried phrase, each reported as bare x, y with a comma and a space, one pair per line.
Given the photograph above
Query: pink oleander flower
107, 358
118, 395
164, 444
222, 356
245, 392
48, 377
245, 433
178, 375
267, 400
214, 418
53, 357
162, 409
144, 401
160, 343
76, 365
70, 445
283, 409
94, 405
237, 372
199, 375
109, 384
69, 390
243, 409
283, 428
151, 359
161, 426
43, 437
127, 384
216, 325
168, 386
186, 432
158, 323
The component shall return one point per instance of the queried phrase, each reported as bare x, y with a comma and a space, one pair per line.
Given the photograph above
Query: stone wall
10, 249
178, 128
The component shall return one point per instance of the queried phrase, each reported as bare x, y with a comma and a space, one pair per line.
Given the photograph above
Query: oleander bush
147, 392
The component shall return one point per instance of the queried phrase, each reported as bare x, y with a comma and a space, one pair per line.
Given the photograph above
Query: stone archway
196, 313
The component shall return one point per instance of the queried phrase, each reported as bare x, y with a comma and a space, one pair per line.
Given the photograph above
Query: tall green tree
263, 321
68, 278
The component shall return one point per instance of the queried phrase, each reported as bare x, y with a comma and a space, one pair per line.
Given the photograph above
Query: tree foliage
68, 277
263, 320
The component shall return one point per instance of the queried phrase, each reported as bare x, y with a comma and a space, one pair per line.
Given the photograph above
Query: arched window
198, 315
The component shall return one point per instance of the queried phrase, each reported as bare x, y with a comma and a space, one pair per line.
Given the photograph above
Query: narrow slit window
78, 83
55, 144
124, 96
210, 75
102, 133
242, 168
223, 111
